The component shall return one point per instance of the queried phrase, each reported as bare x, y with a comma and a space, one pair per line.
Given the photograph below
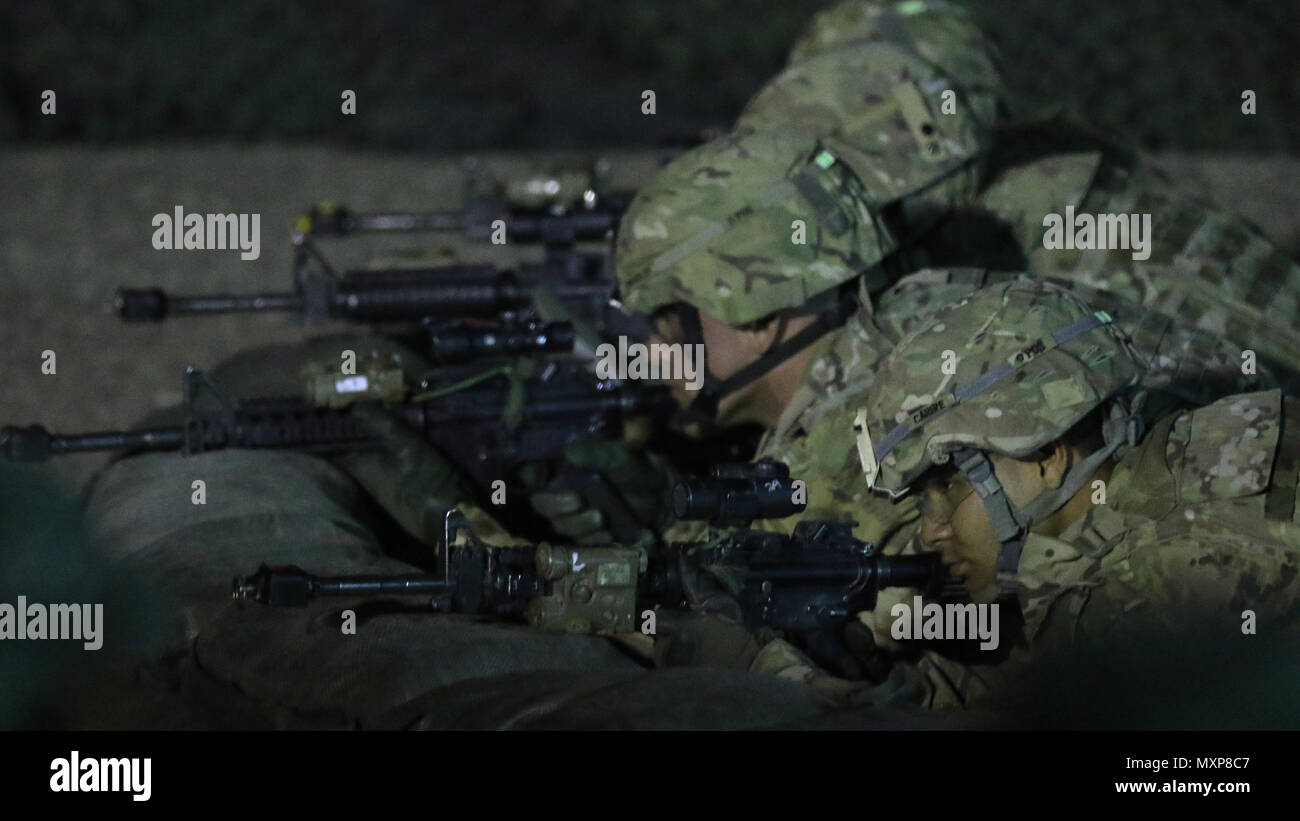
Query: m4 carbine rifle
554, 206
555, 209
488, 423
806, 585
581, 282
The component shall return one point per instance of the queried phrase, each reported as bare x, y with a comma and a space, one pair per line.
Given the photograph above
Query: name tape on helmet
969, 390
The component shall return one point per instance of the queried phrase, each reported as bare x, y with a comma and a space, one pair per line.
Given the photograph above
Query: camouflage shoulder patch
1054, 577
1229, 449
1198, 580
1021, 194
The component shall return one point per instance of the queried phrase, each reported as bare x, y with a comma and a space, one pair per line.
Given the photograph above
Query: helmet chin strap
703, 410
1011, 525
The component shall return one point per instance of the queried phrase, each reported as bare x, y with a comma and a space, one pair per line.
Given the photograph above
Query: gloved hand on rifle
605, 492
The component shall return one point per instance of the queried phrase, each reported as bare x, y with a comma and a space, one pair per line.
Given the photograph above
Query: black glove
605, 491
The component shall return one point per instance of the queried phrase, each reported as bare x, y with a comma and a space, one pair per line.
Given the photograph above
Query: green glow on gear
747, 225
906, 126
1050, 387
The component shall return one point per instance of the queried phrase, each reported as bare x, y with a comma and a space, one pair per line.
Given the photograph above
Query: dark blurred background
1167, 74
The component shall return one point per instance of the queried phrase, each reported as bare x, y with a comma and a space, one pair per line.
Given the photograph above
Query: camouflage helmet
1006, 369
912, 128
717, 229
940, 32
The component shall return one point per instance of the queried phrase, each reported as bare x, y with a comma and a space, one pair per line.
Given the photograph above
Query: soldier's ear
1053, 468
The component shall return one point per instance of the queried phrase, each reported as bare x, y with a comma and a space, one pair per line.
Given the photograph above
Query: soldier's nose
935, 531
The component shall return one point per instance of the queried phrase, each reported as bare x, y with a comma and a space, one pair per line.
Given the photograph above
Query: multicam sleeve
1209, 583
932, 682
780, 658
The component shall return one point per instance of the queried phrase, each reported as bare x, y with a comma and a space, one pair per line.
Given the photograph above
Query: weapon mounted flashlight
739, 493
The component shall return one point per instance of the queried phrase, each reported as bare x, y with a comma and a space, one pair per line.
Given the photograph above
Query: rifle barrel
558, 229
156, 439
289, 586
35, 443
370, 585
391, 298
155, 305
230, 303
442, 221
920, 571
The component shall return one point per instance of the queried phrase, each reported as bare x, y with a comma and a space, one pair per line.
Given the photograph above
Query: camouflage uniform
942, 185
872, 77
1208, 270
1184, 365
849, 83
811, 437
869, 80
715, 231
815, 436
1199, 521
905, 191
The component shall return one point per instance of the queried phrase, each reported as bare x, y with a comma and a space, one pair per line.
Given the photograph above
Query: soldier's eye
925, 503
667, 327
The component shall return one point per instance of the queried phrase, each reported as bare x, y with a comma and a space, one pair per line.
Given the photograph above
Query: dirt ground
76, 225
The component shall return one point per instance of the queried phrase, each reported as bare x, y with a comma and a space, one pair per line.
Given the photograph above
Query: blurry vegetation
512, 73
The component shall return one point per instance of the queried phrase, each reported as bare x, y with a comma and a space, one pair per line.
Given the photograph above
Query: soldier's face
667, 329
727, 350
955, 522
